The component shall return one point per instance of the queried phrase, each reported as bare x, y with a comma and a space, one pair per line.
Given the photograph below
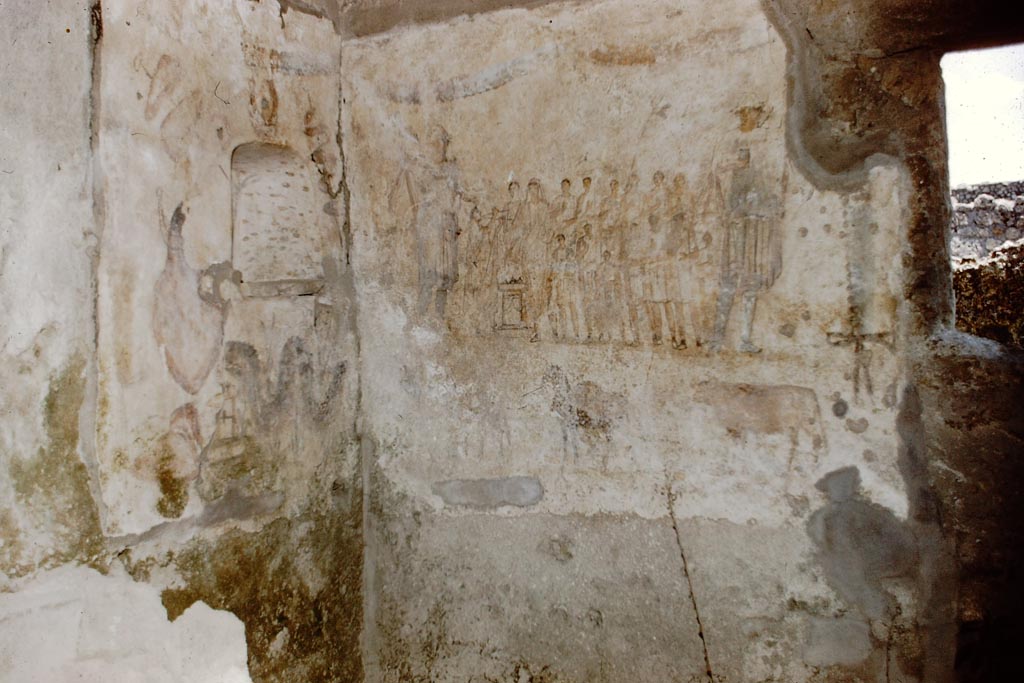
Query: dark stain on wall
173, 491
297, 586
296, 582
990, 298
860, 544
367, 18
53, 487
972, 427
865, 551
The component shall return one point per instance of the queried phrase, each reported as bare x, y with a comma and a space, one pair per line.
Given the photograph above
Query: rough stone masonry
401, 341
987, 247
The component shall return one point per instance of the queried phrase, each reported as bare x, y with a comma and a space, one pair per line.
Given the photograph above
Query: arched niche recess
276, 243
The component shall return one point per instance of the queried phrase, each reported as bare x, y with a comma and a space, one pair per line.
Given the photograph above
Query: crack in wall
888, 654
90, 417
671, 498
366, 446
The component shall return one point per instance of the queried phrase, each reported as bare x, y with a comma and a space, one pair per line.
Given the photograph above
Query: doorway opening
985, 130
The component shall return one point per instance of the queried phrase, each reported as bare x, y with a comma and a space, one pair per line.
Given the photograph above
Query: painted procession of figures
650, 265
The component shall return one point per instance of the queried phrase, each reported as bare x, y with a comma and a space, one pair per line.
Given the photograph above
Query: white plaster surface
182, 87
46, 244
546, 205
510, 384
566, 93
74, 624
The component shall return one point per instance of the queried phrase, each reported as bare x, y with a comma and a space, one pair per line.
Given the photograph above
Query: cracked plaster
467, 420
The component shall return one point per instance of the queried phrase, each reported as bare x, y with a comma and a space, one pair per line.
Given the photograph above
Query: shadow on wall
868, 556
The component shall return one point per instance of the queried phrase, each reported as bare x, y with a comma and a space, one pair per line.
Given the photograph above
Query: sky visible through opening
985, 114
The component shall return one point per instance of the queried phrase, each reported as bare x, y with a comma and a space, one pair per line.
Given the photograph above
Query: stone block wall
986, 242
985, 217
964, 194
990, 296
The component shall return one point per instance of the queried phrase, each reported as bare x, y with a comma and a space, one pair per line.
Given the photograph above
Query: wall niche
276, 244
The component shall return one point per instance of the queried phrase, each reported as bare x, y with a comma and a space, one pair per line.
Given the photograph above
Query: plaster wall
59, 621
559, 342
48, 242
203, 111
171, 418
228, 377
560, 333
